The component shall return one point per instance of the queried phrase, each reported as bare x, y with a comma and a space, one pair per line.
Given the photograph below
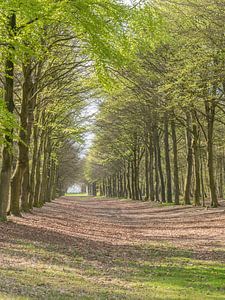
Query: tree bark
44, 173
151, 169
34, 161
210, 116
202, 181
132, 181
221, 176
146, 174
130, 196
38, 171
187, 192
175, 164
26, 183
7, 156
156, 174
158, 152
23, 156
167, 160
196, 164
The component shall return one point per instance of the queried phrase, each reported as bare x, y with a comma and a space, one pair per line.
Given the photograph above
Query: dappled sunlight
94, 253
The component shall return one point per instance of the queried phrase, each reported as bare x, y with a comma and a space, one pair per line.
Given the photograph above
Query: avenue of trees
49, 52
157, 68
160, 131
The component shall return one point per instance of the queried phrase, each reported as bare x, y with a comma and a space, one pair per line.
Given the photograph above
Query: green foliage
146, 29
176, 69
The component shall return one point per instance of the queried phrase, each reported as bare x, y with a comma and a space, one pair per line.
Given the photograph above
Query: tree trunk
136, 176
44, 175
124, 182
210, 115
202, 183
175, 164
132, 181
167, 160
94, 189
196, 164
49, 181
26, 184
38, 172
121, 185
146, 174
23, 156
130, 196
156, 174
52, 181
151, 169
6, 168
187, 192
221, 175
163, 193
34, 161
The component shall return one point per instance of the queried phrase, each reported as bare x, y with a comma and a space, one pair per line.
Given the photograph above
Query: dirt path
79, 248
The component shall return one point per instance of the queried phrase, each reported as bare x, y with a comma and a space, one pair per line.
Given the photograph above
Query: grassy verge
77, 195
42, 271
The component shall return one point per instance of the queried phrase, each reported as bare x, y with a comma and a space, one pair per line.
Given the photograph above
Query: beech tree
177, 110
33, 36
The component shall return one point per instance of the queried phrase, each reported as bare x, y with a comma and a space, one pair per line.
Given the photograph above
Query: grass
43, 271
77, 195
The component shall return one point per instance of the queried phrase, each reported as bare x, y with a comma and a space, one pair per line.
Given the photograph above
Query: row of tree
50, 50
160, 134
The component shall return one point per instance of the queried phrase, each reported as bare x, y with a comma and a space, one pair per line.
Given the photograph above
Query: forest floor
83, 248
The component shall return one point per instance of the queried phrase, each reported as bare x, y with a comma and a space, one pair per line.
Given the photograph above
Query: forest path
84, 248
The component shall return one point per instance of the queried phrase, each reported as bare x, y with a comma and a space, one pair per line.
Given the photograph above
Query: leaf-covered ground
82, 248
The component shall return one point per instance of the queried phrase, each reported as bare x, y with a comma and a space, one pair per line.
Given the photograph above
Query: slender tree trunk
156, 174
121, 185
23, 156
47, 195
52, 181
130, 195
151, 169
221, 175
167, 160
136, 176
124, 182
117, 177
210, 115
54, 187
100, 189
94, 189
196, 164
146, 174
44, 175
133, 181
49, 179
175, 164
163, 193
187, 192
38, 171
6, 169
25, 190
26, 184
34, 161
202, 181
110, 186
